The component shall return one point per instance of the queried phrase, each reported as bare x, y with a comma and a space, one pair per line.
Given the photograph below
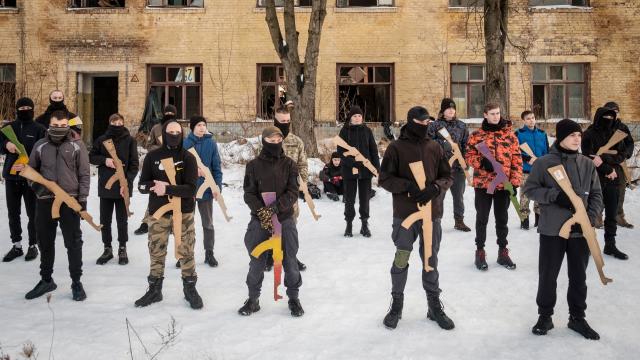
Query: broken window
7, 91
467, 89
369, 86
559, 91
178, 85
558, 2
466, 3
272, 89
96, 3
363, 3
176, 3
7, 3
280, 3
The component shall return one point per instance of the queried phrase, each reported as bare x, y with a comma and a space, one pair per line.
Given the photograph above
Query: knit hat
566, 127
355, 109
25, 101
270, 130
170, 109
447, 103
418, 113
612, 105
195, 120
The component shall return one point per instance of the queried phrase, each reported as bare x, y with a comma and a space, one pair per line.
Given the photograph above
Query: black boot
106, 256
250, 306
364, 230
32, 253
77, 290
581, 326
524, 224
543, 325
210, 259
295, 307
505, 260
123, 258
153, 294
333, 196
178, 264
301, 266
190, 292
436, 313
143, 229
348, 231
611, 249
536, 222
481, 260
395, 311
41, 288
460, 225
13, 253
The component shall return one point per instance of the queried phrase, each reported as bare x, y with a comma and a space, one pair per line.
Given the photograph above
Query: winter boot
250, 306
581, 326
13, 253
106, 256
77, 291
178, 264
143, 229
153, 294
210, 259
436, 313
123, 258
348, 231
611, 249
395, 311
461, 226
190, 292
481, 260
32, 253
269, 265
623, 222
505, 260
295, 307
524, 224
536, 221
41, 288
543, 325
301, 266
599, 222
364, 230
333, 196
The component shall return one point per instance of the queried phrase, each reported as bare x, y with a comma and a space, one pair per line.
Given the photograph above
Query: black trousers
330, 187
552, 251
15, 190
106, 214
610, 194
483, 201
46, 233
363, 188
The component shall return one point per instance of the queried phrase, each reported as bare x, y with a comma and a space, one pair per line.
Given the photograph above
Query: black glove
265, 214
485, 164
413, 190
563, 201
84, 205
576, 228
526, 158
424, 196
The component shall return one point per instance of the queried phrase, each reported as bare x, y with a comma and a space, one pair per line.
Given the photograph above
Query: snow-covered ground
345, 295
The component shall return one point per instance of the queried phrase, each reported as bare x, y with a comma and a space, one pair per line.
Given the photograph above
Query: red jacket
504, 145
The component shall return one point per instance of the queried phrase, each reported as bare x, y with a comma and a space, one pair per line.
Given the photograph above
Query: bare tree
301, 78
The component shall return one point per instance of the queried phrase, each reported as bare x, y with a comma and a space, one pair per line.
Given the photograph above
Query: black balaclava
171, 142
416, 130
57, 134
284, 128
269, 149
24, 115
116, 131
169, 109
56, 105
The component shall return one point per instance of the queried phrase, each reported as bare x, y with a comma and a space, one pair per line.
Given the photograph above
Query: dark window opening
280, 3
364, 3
97, 3
558, 2
8, 3
466, 3
272, 89
178, 85
7, 91
176, 3
368, 86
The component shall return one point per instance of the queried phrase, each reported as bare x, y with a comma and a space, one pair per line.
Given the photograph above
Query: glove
576, 228
424, 196
563, 201
84, 205
336, 180
413, 190
485, 164
264, 215
526, 158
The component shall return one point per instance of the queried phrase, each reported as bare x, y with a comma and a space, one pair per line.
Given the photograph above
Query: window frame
391, 83
347, 5
83, 5
587, 4
183, 84
468, 83
478, 4
10, 103
548, 82
165, 4
261, 4
280, 80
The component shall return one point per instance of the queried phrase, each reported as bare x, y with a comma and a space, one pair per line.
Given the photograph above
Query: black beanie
355, 109
195, 120
170, 109
566, 127
445, 104
418, 113
612, 105
25, 101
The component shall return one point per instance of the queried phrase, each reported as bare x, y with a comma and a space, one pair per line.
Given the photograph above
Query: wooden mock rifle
209, 183
174, 205
423, 213
308, 199
457, 154
120, 176
273, 243
60, 196
352, 151
527, 150
579, 217
23, 157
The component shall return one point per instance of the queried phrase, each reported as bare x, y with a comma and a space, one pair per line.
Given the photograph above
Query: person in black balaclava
56, 102
28, 132
154, 181
127, 151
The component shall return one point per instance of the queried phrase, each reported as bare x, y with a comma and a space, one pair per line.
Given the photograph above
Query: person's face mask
58, 134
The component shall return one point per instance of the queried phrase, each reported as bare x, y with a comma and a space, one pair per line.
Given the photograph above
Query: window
467, 89
272, 89
96, 3
179, 85
280, 3
369, 86
466, 3
7, 3
7, 91
350, 3
559, 91
559, 2
176, 3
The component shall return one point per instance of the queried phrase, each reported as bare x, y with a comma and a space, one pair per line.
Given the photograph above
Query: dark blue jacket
538, 142
207, 149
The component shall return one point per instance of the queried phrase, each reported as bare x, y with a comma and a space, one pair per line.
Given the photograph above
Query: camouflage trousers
524, 200
159, 240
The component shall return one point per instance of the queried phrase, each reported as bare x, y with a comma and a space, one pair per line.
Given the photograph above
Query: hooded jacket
542, 188
207, 149
360, 137
127, 151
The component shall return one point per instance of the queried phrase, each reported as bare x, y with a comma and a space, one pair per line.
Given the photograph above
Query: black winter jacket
360, 137
28, 133
127, 151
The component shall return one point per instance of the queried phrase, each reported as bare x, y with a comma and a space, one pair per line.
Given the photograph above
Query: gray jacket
67, 164
541, 187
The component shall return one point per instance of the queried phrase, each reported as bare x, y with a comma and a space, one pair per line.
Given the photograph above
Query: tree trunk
495, 36
301, 80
